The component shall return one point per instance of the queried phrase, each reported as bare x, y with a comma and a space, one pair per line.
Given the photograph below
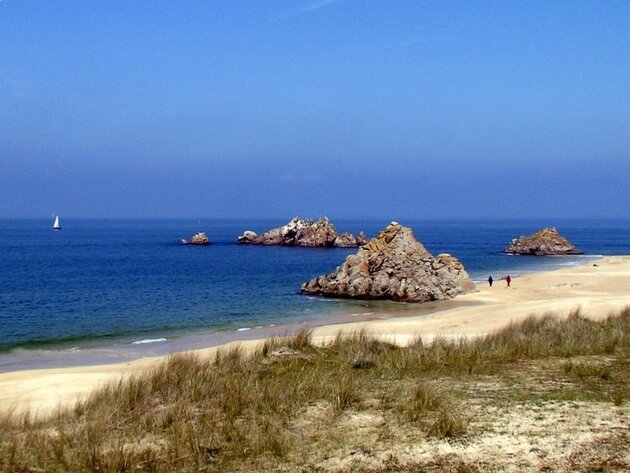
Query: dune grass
292, 404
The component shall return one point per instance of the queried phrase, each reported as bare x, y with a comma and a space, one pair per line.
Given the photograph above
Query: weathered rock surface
542, 243
300, 232
197, 239
395, 266
347, 240
247, 237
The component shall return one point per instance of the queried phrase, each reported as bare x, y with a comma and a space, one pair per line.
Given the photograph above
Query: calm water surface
98, 283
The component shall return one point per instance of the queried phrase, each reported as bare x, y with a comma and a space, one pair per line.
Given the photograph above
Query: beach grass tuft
301, 340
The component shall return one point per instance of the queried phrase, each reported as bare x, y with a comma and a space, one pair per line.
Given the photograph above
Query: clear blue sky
346, 108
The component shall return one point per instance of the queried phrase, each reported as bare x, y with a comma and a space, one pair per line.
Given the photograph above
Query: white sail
57, 224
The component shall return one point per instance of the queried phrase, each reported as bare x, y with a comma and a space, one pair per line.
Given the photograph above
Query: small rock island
546, 242
394, 266
197, 239
302, 232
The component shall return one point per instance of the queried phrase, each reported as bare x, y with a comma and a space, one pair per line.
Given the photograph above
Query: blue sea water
100, 282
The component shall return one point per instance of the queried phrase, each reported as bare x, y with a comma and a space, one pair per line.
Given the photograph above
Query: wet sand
598, 288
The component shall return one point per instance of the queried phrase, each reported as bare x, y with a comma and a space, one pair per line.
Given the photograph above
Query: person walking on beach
508, 280
490, 280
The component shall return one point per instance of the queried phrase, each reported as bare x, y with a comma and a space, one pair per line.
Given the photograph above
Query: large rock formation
542, 243
197, 239
395, 266
299, 232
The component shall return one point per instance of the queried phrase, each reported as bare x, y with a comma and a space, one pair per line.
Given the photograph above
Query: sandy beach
597, 288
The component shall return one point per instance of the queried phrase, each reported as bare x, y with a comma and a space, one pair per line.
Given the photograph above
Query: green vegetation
295, 406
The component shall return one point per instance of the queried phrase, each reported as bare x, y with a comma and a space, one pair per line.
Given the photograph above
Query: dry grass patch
294, 406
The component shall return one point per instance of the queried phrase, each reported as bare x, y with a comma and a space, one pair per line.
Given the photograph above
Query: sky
345, 108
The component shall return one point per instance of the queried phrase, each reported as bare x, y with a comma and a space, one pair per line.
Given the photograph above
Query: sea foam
148, 340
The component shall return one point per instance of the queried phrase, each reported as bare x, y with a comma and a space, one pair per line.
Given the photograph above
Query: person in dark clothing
508, 280
490, 280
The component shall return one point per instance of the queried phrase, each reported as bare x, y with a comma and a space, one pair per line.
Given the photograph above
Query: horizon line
311, 217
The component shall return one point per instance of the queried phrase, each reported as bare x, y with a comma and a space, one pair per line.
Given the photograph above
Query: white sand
598, 288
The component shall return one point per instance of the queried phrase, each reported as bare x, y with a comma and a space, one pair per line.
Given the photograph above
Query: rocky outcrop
247, 237
394, 266
545, 242
300, 232
197, 239
347, 240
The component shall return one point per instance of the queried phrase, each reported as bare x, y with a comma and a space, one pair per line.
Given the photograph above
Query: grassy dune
357, 404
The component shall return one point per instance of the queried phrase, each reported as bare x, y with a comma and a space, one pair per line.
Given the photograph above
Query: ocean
107, 290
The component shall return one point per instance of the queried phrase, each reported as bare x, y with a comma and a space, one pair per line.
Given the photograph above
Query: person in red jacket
508, 280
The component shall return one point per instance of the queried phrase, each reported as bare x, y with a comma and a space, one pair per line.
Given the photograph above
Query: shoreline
132, 347
27, 359
597, 288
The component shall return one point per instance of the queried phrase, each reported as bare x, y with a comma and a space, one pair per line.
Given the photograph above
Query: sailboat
57, 224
